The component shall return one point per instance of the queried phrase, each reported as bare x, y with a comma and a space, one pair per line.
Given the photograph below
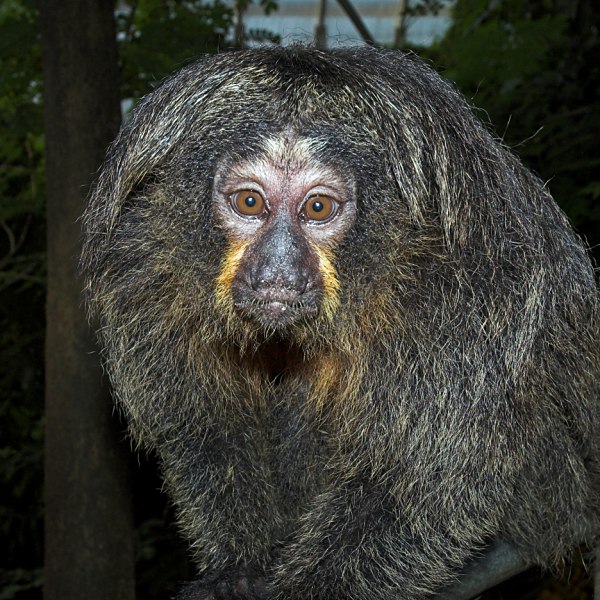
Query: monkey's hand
237, 585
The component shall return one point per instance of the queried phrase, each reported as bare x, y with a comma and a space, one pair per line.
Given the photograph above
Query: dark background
531, 67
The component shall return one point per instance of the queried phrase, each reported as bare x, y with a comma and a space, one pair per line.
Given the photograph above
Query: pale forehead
292, 149
290, 155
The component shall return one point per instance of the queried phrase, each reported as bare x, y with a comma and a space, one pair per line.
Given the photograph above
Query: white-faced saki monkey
361, 338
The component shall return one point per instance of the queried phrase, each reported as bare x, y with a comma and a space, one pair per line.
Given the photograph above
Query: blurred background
70, 70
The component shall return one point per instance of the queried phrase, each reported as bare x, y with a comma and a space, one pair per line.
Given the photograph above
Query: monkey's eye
248, 203
319, 208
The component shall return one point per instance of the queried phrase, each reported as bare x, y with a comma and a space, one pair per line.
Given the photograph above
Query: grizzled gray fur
437, 391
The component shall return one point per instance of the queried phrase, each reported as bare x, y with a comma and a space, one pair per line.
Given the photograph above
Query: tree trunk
89, 530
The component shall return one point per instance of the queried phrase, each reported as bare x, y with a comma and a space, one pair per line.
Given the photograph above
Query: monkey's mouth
274, 312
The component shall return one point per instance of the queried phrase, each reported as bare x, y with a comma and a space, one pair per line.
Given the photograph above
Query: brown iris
319, 208
248, 203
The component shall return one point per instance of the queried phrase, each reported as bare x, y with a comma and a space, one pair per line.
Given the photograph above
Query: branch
500, 563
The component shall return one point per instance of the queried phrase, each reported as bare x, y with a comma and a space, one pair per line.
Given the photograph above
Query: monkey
360, 336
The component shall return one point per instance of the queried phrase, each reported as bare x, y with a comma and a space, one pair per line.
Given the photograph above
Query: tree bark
89, 529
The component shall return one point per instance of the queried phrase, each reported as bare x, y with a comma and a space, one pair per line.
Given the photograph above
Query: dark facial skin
287, 212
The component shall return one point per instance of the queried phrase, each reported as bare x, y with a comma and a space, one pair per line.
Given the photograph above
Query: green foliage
532, 66
22, 240
158, 37
21, 146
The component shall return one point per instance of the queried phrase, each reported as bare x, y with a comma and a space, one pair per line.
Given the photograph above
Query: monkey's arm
355, 544
405, 531
222, 492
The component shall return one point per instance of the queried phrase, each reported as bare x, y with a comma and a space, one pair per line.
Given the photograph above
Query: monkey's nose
272, 283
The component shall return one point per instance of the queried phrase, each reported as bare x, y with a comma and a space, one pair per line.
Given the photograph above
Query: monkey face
282, 212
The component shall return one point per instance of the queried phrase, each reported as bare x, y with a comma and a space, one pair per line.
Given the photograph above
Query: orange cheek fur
331, 284
229, 268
